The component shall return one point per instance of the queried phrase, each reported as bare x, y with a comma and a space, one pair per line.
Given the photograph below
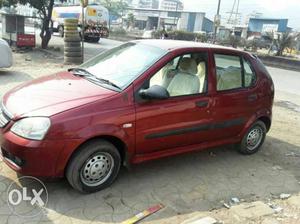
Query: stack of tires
72, 49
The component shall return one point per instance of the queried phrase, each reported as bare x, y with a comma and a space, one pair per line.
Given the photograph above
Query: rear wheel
94, 167
253, 139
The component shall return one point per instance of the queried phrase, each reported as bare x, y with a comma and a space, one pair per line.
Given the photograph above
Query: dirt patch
289, 105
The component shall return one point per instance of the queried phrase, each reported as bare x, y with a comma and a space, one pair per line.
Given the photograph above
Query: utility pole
217, 21
82, 33
84, 4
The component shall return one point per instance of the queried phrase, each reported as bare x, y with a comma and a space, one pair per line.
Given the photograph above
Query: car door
178, 121
236, 95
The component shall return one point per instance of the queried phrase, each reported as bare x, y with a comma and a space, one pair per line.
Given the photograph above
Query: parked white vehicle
6, 54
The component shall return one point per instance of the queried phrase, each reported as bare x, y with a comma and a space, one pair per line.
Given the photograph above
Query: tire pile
72, 49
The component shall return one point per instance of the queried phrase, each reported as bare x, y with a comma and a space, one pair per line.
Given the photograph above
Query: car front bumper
46, 158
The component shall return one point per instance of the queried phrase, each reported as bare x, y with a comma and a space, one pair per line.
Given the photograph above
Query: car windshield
123, 64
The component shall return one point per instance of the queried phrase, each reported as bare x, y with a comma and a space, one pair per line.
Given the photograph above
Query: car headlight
34, 128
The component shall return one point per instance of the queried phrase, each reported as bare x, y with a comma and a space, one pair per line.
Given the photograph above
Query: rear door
236, 93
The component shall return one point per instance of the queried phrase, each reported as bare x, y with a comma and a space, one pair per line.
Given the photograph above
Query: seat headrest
188, 65
201, 68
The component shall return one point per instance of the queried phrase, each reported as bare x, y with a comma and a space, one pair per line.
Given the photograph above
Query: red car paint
80, 110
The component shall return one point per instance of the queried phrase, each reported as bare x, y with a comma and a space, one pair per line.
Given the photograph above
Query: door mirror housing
154, 93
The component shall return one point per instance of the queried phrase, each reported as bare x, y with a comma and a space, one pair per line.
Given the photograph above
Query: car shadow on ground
8, 76
183, 184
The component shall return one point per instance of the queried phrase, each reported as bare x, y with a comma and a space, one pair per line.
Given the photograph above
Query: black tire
73, 60
70, 22
86, 153
72, 35
96, 39
73, 44
71, 28
72, 39
248, 147
73, 54
91, 39
70, 32
72, 49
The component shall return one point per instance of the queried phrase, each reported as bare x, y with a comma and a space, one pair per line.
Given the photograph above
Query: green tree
283, 41
130, 20
45, 8
8, 3
115, 7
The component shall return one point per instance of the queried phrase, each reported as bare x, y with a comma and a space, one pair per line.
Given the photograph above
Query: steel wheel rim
254, 138
97, 169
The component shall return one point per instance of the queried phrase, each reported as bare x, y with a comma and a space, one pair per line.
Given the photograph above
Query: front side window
184, 75
123, 64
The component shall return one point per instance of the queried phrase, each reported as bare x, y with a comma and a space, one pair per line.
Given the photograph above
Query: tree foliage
8, 3
45, 8
283, 41
115, 7
286, 40
130, 20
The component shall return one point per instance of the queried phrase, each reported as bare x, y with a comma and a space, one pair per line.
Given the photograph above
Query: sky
289, 9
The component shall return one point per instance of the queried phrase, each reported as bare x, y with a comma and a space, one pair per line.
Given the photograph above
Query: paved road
286, 84
91, 49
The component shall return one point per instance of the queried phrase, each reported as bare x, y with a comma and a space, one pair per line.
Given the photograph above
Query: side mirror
154, 93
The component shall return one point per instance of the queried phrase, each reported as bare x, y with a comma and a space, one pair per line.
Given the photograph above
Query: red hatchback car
140, 101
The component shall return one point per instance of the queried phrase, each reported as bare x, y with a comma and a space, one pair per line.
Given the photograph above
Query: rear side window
233, 73
229, 72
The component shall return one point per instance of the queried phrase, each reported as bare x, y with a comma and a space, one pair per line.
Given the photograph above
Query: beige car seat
168, 73
186, 81
229, 78
202, 75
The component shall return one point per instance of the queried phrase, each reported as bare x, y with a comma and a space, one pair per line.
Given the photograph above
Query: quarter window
250, 76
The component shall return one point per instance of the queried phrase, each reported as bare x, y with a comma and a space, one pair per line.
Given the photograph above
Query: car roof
171, 45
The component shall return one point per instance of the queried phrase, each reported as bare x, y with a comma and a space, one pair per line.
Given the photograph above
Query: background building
145, 4
194, 22
259, 26
172, 5
151, 19
148, 4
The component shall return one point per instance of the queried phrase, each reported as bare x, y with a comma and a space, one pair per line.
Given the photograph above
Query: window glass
250, 76
123, 64
229, 72
184, 75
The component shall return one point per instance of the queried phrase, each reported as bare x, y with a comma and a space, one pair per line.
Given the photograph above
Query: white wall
198, 22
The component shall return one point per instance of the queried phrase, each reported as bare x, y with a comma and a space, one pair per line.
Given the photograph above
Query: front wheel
94, 166
253, 139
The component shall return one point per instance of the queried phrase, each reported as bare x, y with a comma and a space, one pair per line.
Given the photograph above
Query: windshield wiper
85, 73
80, 72
106, 81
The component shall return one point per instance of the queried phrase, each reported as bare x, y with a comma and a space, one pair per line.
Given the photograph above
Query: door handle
203, 103
252, 97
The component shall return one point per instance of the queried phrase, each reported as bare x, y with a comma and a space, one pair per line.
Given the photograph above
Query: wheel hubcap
254, 138
97, 169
